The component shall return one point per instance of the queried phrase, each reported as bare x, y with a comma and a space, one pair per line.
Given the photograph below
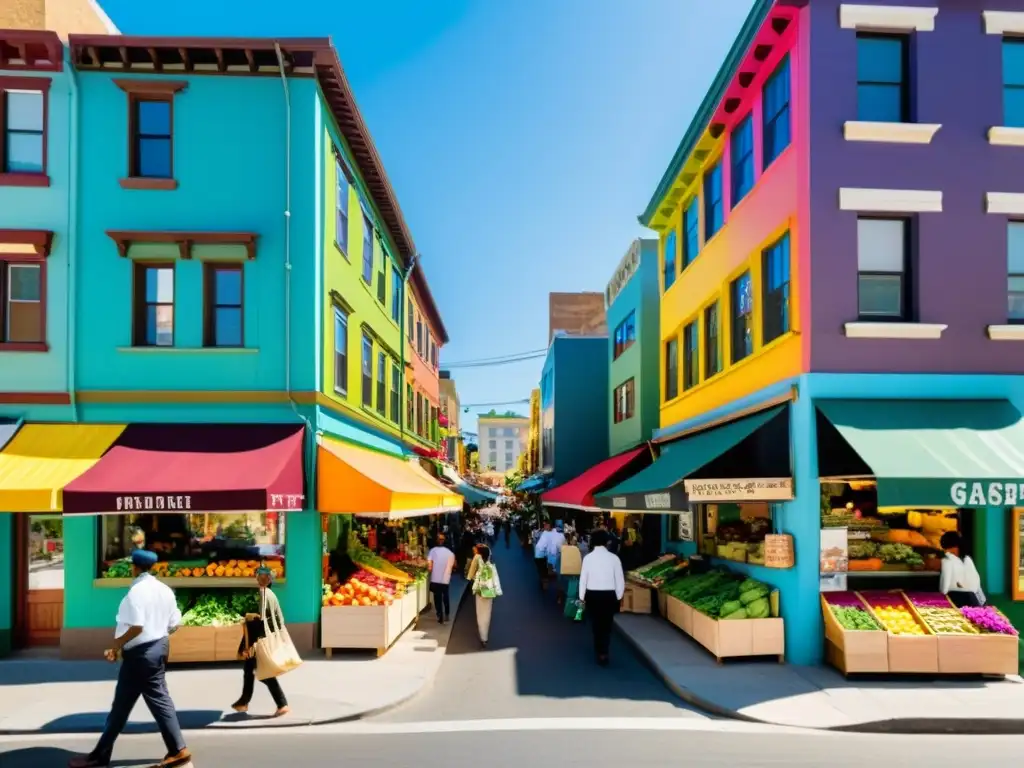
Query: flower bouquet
989, 620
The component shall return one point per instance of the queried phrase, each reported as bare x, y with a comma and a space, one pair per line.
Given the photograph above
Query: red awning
194, 468
579, 492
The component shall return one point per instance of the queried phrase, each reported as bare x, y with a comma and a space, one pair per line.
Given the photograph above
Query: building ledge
872, 330
1004, 136
892, 133
1011, 203
190, 350
1003, 22
1006, 332
881, 18
890, 200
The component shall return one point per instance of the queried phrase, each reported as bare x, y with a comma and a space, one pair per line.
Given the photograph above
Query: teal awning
471, 494
936, 453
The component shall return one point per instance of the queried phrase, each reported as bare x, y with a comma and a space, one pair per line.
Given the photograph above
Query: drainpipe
72, 236
401, 327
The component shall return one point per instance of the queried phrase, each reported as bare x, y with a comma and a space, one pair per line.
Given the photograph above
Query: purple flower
988, 619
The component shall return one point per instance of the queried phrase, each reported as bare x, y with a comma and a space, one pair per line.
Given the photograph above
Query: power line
494, 405
497, 360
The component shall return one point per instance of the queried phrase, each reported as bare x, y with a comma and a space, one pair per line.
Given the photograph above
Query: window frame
210, 305
628, 332
367, 249
624, 401
409, 408
691, 355
8, 260
23, 178
734, 316
148, 90
668, 266
341, 202
396, 295
412, 321
770, 333
341, 387
419, 337
382, 384
691, 215
382, 277
713, 205
395, 395
740, 161
772, 114
906, 299
903, 39
140, 305
366, 377
671, 369
712, 338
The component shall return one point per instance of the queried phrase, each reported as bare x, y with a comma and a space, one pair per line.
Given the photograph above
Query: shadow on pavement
92, 722
54, 757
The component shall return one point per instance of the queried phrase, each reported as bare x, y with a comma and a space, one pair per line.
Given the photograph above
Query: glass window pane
776, 90
776, 136
154, 158
153, 118
159, 285
880, 245
24, 111
880, 59
228, 286
25, 322
1015, 284
1015, 248
25, 282
1016, 306
880, 295
1013, 62
23, 153
160, 326
228, 327
880, 103
1013, 106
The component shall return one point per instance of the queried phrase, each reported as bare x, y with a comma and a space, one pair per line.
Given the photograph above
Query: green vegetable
855, 619
245, 601
211, 610
740, 614
749, 584
750, 595
731, 607
122, 569
758, 609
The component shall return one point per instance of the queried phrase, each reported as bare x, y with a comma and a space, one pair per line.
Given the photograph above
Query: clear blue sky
522, 137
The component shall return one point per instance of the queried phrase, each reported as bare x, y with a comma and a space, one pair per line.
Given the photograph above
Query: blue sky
522, 137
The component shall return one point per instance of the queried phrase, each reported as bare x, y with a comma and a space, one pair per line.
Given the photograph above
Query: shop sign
755, 489
993, 493
627, 267
657, 501
288, 502
158, 503
684, 521
619, 502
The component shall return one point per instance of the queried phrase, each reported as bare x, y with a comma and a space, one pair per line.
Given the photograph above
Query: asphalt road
537, 664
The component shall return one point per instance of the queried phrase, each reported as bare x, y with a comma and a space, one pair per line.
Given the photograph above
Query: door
41, 579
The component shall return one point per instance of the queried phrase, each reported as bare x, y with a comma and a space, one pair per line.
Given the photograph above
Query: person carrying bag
486, 587
275, 653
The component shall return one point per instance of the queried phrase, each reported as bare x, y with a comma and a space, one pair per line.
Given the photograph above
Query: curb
903, 726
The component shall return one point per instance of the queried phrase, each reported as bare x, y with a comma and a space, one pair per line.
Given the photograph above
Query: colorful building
503, 438
148, 313
425, 335
454, 445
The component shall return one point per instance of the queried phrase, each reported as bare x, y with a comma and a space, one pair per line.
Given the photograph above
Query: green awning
658, 488
936, 453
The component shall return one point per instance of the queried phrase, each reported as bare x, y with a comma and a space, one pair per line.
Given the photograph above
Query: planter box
853, 651
977, 654
192, 644
740, 637
365, 626
679, 614
636, 599
226, 641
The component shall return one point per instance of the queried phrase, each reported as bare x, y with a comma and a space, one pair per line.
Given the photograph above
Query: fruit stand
916, 632
211, 624
641, 581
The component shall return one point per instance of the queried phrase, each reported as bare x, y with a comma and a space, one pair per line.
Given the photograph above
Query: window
1015, 270
396, 392
712, 349
341, 205
382, 386
367, 250
1013, 82
412, 320
154, 305
419, 414
508, 445
367, 371
625, 335
742, 155
23, 117
775, 290
492, 445
624, 401
433, 353
741, 305
671, 387
883, 94
396, 295
776, 130
669, 263
882, 261
492, 460
409, 423
223, 316
419, 337
151, 156
340, 351
508, 460
22, 310
691, 232
691, 356
382, 284
714, 213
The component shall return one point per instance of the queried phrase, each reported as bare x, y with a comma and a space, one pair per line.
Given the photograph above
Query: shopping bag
275, 652
571, 593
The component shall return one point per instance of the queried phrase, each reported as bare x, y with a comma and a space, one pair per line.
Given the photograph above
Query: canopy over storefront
664, 485
470, 493
41, 459
535, 484
356, 481
579, 492
178, 468
935, 453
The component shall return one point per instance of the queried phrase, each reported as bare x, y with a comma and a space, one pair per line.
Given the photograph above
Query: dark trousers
541, 564
442, 600
249, 683
602, 605
141, 674
962, 599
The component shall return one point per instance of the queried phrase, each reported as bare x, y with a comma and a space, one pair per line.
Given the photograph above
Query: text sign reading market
759, 489
991, 493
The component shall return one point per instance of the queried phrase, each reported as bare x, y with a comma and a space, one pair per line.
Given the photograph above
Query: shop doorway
40, 579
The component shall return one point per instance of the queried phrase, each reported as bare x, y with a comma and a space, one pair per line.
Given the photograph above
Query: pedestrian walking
555, 544
442, 563
540, 554
486, 587
602, 585
146, 617
256, 629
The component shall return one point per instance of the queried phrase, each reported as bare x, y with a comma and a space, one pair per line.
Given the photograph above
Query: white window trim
899, 18
1004, 136
893, 133
890, 200
1003, 22
881, 330
1005, 332
1011, 203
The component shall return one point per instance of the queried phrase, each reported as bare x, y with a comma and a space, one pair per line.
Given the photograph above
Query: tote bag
275, 652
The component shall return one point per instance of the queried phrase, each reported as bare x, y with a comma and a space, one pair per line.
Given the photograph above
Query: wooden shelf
196, 582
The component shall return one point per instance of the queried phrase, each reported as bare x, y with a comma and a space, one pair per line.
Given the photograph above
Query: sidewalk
48, 696
820, 697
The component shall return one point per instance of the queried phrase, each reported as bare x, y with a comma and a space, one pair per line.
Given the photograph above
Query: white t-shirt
442, 563
602, 571
149, 604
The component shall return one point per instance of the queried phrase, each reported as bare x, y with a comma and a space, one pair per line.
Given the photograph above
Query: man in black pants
602, 585
442, 563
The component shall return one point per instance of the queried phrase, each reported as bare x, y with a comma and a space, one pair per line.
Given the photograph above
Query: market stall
641, 582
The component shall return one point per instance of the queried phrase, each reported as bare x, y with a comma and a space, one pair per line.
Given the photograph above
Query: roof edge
426, 301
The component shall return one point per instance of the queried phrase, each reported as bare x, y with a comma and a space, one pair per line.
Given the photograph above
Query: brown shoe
180, 758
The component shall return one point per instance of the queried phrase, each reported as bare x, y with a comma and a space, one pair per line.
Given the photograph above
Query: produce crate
192, 644
740, 637
363, 626
679, 614
978, 654
907, 653
636, 599
410, 607
226, 642
853, 651
663, 604
422, 595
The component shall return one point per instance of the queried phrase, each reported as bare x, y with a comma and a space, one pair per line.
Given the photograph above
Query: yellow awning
42, 458
356, 481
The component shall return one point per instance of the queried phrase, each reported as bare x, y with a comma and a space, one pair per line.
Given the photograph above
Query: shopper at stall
486, 587
255, 629
602, 585
442, 563
959, 579
147, 616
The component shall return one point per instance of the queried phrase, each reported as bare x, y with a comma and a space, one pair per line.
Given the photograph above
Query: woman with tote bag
486, 587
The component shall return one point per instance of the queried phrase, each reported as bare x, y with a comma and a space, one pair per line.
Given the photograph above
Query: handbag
275, 652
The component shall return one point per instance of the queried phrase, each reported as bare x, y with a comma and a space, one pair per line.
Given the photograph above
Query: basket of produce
912, 646
856, 641
657, 573
978, 641
899, 557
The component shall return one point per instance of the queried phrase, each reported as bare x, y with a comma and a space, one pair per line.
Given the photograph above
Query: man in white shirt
540, 554
442, 563
554, 553
602, 585
147, 616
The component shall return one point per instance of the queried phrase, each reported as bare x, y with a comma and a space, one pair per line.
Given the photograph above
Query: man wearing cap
148, 614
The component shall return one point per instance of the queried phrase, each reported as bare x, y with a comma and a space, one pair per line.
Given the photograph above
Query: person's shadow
54, 757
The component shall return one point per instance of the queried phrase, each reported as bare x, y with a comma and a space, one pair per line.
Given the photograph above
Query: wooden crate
740, 637
910, 654
422, 595
410, 608
977, 654
855, 651
364, 626
679, 614
193, 644
226, 641
636, 599
663, 604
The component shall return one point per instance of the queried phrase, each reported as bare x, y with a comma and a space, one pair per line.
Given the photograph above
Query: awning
578, 493
659, 488
936, 453
178, 468
534, 484
41, 459
470, 493
356, 481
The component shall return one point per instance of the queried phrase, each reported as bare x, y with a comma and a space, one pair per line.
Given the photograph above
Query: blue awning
472, 494
535, 484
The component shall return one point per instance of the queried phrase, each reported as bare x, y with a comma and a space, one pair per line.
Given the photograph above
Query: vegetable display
216, 609
657, 573
988, 620
900, 554
363, 589
894, 614
373, 563
196, 569
854, 618
722, 595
